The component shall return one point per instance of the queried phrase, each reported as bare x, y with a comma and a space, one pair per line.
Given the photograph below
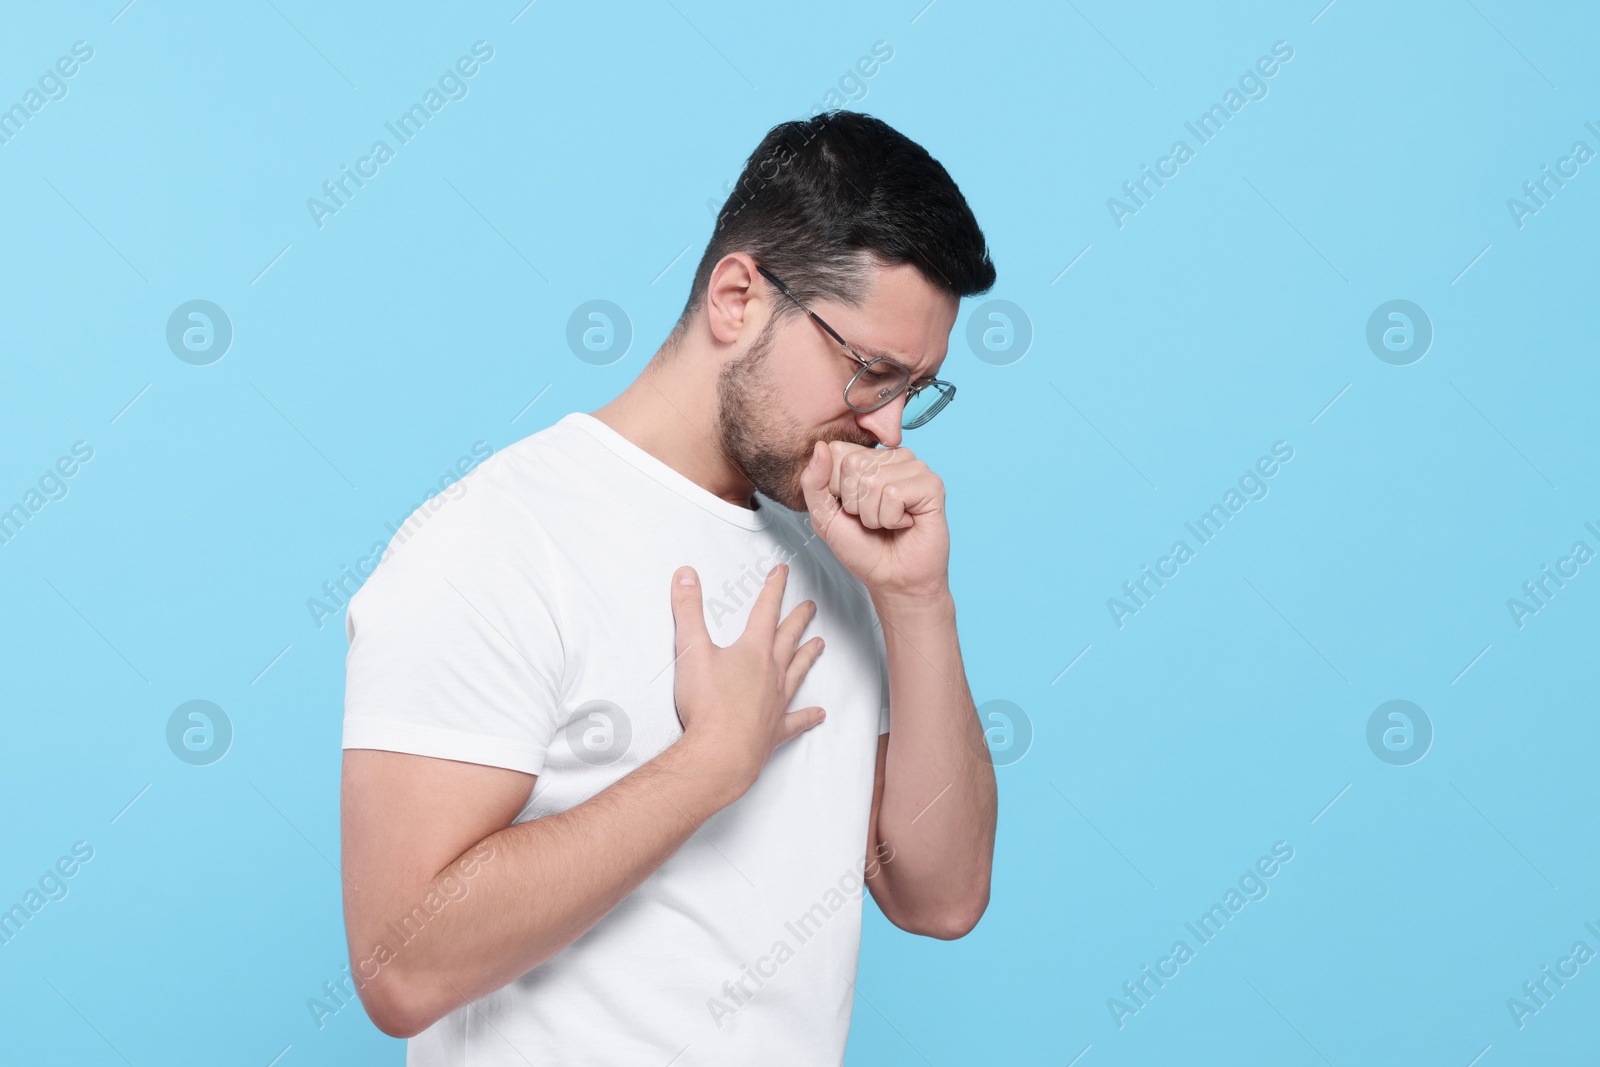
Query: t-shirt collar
658, 471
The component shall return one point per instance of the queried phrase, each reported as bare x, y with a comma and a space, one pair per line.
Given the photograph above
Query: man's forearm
549, 880
939, 798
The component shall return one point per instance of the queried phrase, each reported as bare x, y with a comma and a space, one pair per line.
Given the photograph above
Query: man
602, 803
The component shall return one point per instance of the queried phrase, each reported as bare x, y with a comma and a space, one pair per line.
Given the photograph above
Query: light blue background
1226, 315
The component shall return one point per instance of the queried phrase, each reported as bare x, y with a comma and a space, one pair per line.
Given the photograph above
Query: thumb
820, 502
688, 614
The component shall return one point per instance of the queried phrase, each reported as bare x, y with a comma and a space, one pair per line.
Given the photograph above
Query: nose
884, 424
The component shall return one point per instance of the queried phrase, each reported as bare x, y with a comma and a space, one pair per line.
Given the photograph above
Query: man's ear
734, 298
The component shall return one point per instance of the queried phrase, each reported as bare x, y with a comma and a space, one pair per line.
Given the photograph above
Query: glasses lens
927, 403
879, 382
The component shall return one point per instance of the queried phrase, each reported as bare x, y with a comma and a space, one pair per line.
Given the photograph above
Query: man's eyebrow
873, 351
879, 353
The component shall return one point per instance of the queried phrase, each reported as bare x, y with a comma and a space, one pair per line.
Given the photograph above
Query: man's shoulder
547, 460
496, 505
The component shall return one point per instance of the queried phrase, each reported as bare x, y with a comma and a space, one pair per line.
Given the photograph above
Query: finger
869, 497
688, 614
819, 498
791, 628
908, 492
804, 658
796, 723
849, 457
763, 621
853, 476
892, 508
894, 511
863, 472
863, 504
838, 452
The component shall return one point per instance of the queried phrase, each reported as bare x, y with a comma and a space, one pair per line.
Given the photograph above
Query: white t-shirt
527, 623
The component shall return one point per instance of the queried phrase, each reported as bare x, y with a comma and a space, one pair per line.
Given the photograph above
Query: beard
756, 435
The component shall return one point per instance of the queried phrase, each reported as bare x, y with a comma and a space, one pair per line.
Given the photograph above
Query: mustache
851, 441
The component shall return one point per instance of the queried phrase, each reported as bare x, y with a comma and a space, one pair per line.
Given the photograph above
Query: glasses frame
947, 391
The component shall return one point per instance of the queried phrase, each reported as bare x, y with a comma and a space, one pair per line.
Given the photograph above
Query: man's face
786, 392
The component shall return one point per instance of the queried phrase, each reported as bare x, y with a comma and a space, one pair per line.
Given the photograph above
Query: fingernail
685, 576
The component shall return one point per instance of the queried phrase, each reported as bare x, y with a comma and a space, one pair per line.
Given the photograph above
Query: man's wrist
715, 782
930, 606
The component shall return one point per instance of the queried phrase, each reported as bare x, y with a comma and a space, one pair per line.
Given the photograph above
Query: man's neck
669, 411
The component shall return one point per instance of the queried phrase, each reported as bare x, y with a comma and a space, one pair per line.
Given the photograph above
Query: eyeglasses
880, 380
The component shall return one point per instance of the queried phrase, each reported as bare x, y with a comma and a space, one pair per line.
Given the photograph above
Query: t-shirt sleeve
454, 650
